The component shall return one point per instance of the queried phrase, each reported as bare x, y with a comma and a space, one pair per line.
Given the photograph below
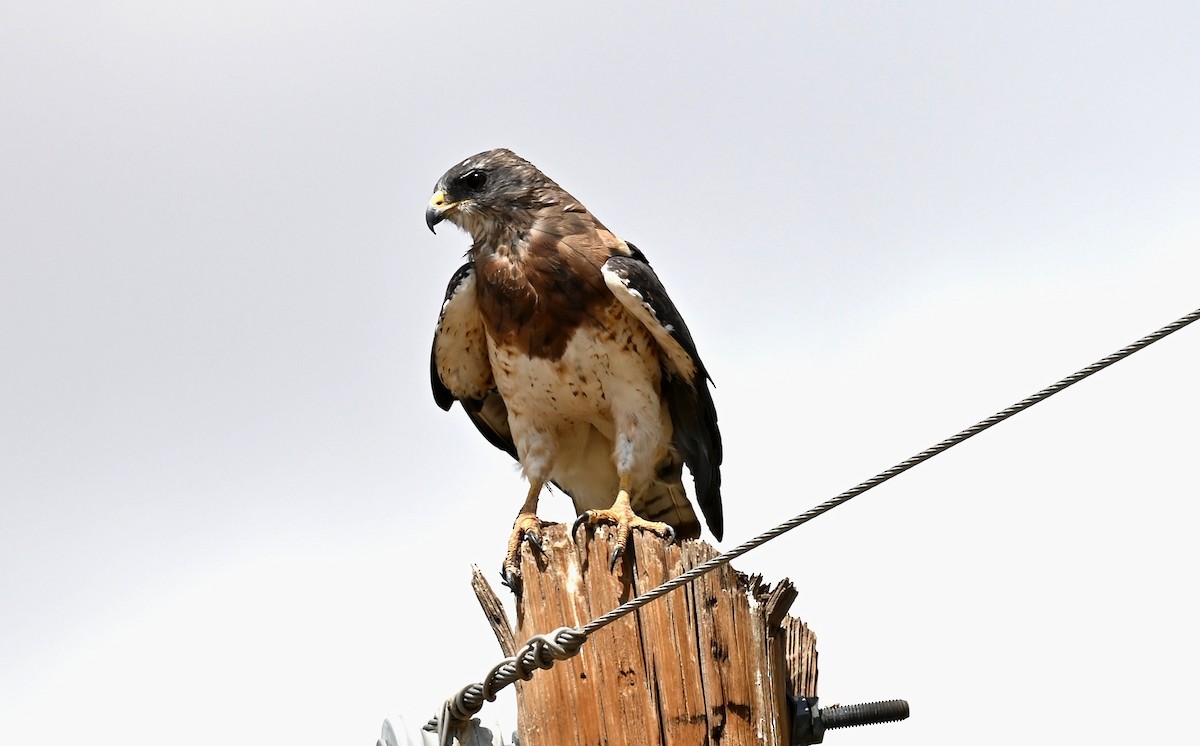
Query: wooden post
708, 663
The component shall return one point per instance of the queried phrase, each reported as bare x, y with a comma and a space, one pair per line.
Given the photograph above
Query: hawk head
493, 195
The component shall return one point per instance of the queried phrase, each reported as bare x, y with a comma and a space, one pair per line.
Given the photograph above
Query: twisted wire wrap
541, 651
565, 642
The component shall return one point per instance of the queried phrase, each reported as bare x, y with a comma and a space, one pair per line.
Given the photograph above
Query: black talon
583, 517
535, 541
511, 579
616, 555
670, 535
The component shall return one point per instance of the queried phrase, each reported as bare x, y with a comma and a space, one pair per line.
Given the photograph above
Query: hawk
562, 346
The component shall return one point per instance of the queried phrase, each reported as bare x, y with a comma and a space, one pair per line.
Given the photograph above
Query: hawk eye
473, 180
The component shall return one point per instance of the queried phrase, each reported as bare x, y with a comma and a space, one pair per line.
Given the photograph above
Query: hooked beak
436, 212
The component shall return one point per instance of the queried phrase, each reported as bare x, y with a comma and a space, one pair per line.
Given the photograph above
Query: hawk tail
666, 500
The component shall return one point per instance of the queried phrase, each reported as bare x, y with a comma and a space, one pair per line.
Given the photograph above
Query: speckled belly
591, 415
605, 371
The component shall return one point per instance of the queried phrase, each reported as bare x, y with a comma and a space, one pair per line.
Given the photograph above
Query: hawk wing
685, 380
459, 368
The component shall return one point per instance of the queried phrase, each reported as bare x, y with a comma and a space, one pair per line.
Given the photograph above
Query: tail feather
666, 500
668, 503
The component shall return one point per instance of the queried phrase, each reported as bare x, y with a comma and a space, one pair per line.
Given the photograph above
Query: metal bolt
810, 722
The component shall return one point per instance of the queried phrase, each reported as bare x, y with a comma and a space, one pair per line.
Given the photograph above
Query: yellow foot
527, 527
622, 516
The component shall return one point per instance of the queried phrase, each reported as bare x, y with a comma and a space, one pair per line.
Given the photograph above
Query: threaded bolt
846, 716
809, 721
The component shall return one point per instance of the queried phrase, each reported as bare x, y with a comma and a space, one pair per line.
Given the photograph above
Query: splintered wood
708, 663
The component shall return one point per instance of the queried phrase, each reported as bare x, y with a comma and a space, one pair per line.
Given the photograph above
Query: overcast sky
230, 511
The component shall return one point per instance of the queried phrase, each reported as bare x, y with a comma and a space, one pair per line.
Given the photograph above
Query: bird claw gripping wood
510, 572
535, 541
594, 517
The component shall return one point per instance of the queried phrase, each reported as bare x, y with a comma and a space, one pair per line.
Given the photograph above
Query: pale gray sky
230, 511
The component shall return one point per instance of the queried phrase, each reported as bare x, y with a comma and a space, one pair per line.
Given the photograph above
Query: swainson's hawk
561, 344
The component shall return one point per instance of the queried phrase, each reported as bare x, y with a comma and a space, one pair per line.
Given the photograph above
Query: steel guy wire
542, 650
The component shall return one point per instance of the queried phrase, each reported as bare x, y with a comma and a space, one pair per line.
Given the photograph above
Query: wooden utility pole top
708, 663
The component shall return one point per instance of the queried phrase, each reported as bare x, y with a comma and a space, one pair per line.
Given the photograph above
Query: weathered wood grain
708, 663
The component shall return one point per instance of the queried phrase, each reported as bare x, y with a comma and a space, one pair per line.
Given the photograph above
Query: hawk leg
527, 527
622, 516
